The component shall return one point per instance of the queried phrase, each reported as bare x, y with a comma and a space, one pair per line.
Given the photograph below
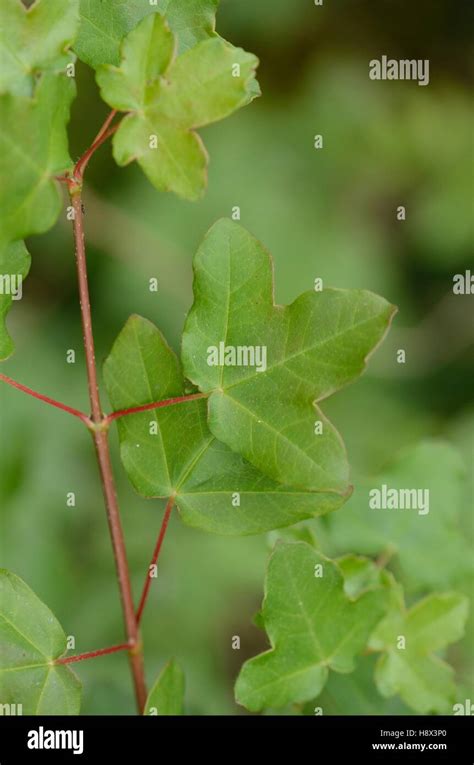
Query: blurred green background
329, 213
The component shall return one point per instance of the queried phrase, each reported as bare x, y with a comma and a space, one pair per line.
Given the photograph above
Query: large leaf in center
170, 451
312, 348
31, 639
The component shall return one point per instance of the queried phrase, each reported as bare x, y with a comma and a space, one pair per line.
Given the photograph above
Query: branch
101, 442
155, 405
104, 133
47, 400
92, 654
156, 552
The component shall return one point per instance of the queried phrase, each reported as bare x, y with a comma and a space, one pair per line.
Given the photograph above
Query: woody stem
100, 436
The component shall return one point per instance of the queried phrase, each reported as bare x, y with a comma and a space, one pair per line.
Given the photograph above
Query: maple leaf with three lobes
168, 97
255, 434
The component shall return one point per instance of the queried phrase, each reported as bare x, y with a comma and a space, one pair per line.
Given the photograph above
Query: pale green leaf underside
426, 683
14, 267
104, 24
167, 695
354, 694
34, 41
312, 625
31, 638
33, 149
313, 347
431, 549
166, 98
171, 451
415, 672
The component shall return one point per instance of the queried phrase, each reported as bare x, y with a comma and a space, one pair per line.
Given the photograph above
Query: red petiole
46, 399
154, 405
156, 552
93, 654
104, 421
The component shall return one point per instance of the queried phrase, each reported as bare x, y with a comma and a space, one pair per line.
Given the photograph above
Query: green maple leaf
354, 694
167, 695
431, 549
33, 149
31, 639
167, 98
171, 452
104, 24
14, 267
313, 626
313, 347
411, 668
34, 40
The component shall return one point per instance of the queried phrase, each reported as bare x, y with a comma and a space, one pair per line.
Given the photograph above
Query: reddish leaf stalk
156, 552
93, 654
104, 133
100, 437
47, 400
107, 419
76, 199
155, 405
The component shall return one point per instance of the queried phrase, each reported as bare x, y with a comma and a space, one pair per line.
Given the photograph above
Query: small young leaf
104, 24
31, 639
167, 695
431, 549
312, 348
34, 40
14, 267
33, 149
312, 625
167, 98
360, 574
171, 451
409, 666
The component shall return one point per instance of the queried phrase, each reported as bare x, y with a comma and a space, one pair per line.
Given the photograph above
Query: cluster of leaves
255, 433
320, 614
246, 457
169, 73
